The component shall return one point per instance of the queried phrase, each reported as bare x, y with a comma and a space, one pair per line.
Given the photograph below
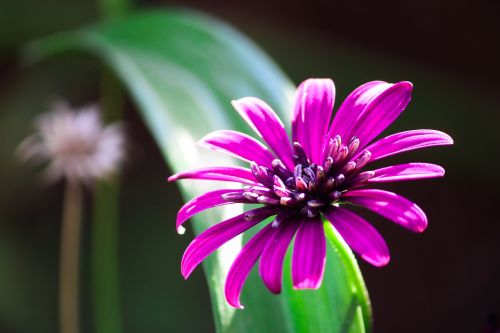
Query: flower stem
105, 268
105, 276
70, 253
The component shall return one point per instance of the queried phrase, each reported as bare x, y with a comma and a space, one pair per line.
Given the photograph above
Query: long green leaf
183, 69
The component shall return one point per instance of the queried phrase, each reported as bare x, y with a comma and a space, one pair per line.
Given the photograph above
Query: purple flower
316, 176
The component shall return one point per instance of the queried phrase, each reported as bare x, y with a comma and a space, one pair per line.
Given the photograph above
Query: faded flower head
318, 175
75, 144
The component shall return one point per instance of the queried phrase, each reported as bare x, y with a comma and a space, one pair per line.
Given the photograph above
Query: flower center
310, 187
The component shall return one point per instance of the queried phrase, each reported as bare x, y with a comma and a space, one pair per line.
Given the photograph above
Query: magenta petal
352, 107
240, 146
214, 237
266, 123
380, 113
391, 206
229, 174
406, 141
243, 264
360, 235
408, 171
311, 116
201, 203
271, 261
309, 255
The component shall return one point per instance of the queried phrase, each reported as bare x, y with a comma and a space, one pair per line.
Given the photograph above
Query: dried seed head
75, 144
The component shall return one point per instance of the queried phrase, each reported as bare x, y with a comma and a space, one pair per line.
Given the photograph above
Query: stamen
361, 178
300, 196
333, 146
286, 201
328, 185
348, 168
315, 203
233, 196
300, 184
341, 155
300, 154
297, 171
328, 164
312, 186
310, 174
278, 182
250, 196
266, 174
267, 200
280, 169
290, 182
309, 211
362, 160
262, 174
353, 145
258, 189
309, 187
320, 175
339, 179
281, 191
257, 213
254, 167
334, 196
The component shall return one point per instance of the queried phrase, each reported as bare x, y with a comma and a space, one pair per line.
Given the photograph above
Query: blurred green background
445, 280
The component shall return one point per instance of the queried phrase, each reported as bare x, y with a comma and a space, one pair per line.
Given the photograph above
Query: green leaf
183, 69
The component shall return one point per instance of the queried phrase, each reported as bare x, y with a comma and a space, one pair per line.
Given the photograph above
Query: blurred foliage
182, 69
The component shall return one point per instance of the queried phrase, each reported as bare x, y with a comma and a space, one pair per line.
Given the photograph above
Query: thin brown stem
69, 264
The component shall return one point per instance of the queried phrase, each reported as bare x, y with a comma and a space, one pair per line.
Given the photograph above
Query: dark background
445, 280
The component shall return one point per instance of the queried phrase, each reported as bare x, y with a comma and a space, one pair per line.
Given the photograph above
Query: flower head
319, 174
76, 145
